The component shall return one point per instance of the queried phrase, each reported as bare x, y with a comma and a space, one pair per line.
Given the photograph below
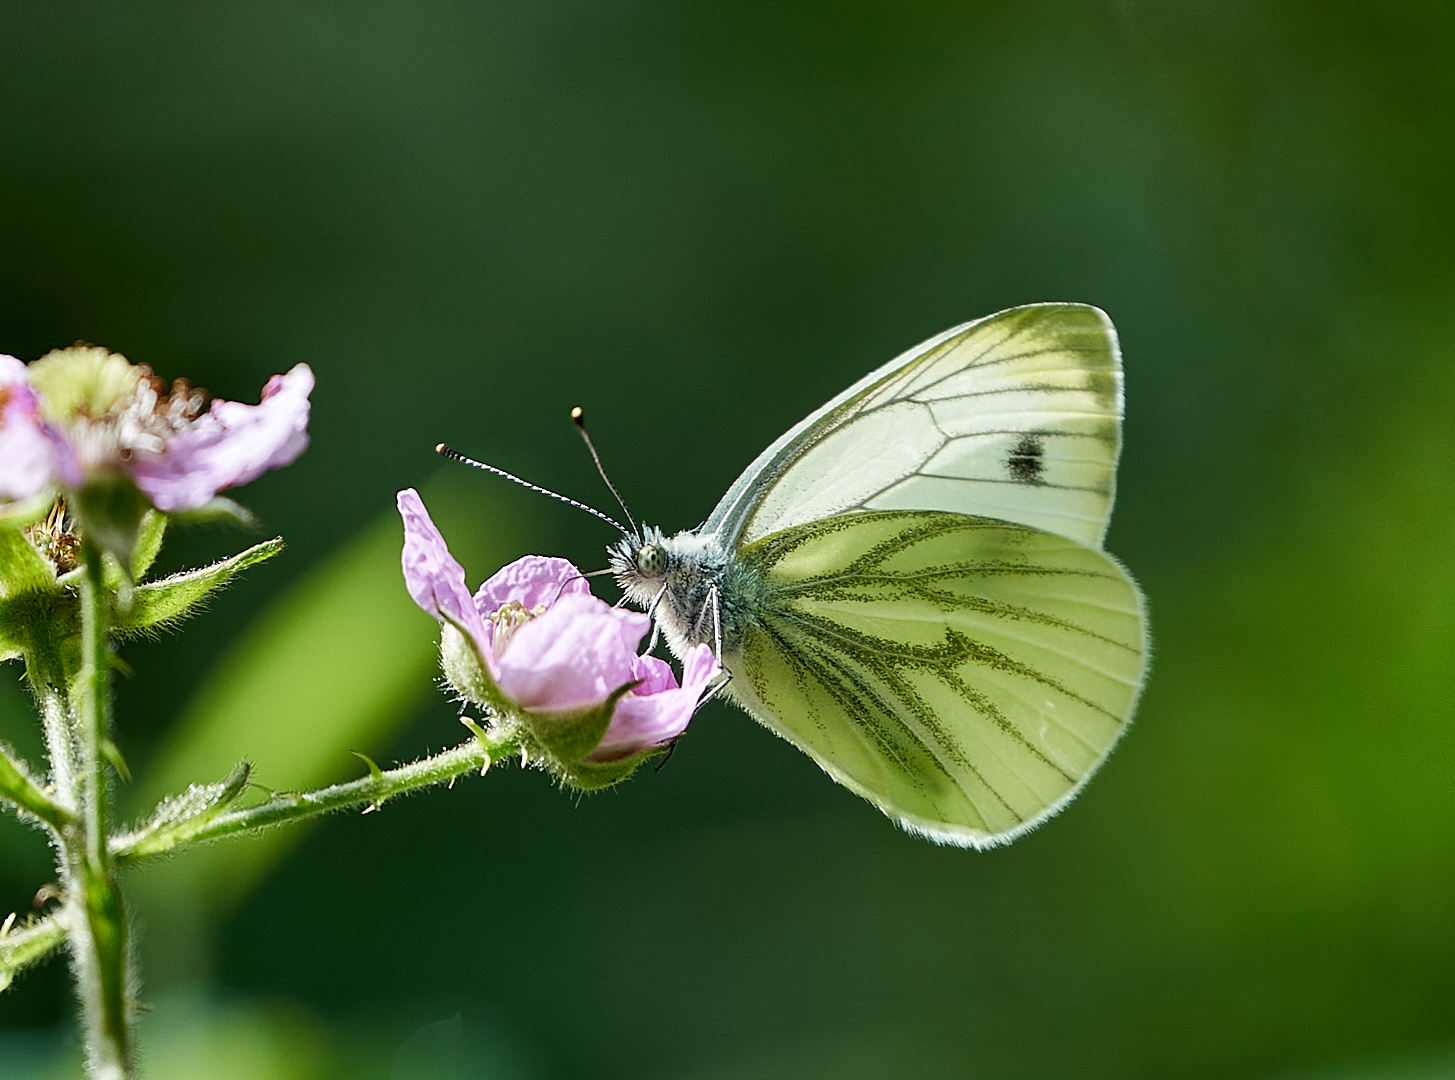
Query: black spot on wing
1026, 461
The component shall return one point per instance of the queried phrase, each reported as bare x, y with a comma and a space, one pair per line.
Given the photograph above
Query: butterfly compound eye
651, 560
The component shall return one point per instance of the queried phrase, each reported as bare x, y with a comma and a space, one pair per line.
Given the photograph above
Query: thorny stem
371, 791
72, 688
28, 944
94, 912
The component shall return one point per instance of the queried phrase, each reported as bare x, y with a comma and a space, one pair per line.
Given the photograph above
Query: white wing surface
1016, 416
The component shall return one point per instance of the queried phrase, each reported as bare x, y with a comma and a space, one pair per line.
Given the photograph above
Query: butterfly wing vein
1015, 416
965, 674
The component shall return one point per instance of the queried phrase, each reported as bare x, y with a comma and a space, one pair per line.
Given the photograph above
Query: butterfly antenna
578, 417
454, 455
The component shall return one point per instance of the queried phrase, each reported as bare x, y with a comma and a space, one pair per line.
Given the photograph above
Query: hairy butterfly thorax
689, 583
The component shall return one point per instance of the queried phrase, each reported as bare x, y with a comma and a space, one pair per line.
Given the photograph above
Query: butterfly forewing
964, 674
1015, 416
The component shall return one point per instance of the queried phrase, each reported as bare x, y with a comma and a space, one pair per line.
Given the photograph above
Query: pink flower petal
655, 675
532, 581
643, 720
573, 656
233, 445
27, 453
431, 574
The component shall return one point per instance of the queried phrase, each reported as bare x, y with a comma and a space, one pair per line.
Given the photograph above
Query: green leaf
161, 604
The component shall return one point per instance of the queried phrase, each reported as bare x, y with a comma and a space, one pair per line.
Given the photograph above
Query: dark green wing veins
964, 673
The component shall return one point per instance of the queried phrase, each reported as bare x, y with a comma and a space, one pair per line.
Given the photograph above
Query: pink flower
550, 646
657, 710
231, 445
81, 412
27, 454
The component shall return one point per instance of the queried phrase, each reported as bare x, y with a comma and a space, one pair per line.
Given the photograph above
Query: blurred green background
700, 220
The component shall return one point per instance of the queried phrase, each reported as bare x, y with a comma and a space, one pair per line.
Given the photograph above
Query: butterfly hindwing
1015, 416
964, 674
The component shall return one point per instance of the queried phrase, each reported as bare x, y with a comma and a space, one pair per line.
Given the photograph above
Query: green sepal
110, 509
218, 508
598, 775
22, 567
28, 592
148, 543
159, 605
561, 741
567, 737
178, 818
466, 671
27, 511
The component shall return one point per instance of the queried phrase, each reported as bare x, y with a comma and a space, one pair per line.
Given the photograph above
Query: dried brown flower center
57, 539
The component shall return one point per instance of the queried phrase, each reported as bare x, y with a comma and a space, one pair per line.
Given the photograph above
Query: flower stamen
507, 619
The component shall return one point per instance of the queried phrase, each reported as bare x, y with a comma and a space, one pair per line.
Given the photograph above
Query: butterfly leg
715, 689
652, 614
716, 624
727, 676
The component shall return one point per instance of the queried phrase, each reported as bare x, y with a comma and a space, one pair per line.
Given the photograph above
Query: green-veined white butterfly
910, 587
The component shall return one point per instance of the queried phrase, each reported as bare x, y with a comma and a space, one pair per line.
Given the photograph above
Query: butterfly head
640, 563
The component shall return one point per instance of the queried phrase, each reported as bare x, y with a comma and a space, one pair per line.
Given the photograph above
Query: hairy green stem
48, 683
94, 911
370, 791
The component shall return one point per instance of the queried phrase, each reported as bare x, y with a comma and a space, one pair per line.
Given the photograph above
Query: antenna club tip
441, 448
578, 416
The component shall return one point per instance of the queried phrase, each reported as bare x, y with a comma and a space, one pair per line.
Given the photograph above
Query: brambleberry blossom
80, 413
26, 453
550, 647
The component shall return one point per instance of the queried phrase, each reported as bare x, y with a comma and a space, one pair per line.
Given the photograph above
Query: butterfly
910, 585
